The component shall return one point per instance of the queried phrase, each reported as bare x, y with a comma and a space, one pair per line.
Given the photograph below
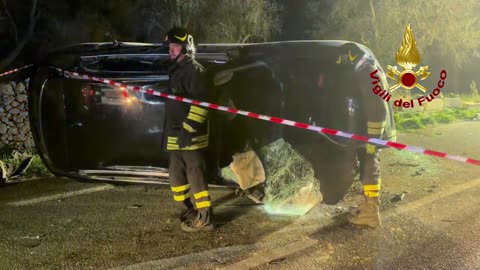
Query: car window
151, 63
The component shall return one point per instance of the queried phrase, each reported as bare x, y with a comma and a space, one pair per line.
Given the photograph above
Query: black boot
189, 213
203, 221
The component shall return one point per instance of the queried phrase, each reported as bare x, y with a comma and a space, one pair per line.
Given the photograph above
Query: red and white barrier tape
14, 70
282, 121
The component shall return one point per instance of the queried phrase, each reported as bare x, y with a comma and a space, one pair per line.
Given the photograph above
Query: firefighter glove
184, 138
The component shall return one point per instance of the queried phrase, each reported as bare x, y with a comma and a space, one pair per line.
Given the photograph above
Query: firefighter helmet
180, 36
348, 54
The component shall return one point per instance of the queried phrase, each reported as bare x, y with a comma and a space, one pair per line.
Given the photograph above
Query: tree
19, 44
241, 20
380, 25
447, 33
65, 22
160, 15
215, 20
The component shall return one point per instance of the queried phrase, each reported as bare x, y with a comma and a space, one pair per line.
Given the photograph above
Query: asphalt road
64, 224
437, 232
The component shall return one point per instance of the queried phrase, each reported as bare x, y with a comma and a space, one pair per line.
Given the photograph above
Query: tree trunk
374, 25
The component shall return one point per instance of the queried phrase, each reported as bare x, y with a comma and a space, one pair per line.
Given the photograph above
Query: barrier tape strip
15, 70
281, 121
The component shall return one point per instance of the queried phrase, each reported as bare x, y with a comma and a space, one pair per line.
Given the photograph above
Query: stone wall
14, 122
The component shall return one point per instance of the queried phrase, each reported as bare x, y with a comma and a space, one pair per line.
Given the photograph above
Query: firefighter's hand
184, 138
371, 149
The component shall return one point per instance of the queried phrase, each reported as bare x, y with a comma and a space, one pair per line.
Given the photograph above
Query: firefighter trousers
369, 171
187, 176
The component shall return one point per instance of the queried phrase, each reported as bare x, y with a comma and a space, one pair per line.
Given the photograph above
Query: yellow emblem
339, 61
408, 57
181, 38
350, 57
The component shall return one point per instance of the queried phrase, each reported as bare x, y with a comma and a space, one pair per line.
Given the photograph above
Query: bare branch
11, 20
245, 38
33, 19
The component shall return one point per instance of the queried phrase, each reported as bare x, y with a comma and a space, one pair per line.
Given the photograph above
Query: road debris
34, 237
398, 197
135, 206
278, 261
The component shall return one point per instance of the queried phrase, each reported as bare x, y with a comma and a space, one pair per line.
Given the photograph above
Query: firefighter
377, 122
187, 133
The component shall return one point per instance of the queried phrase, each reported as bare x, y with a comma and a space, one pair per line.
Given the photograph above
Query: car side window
126, 63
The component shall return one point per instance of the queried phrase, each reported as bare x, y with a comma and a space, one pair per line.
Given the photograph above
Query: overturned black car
91, 130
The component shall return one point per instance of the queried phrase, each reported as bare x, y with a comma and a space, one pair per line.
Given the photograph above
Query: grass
12, 158
37, 168
411, 120
474, 99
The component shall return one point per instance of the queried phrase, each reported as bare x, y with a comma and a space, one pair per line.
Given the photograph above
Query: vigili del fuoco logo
408, 58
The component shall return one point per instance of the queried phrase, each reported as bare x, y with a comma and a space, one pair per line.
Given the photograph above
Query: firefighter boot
368, 213
203, 221
189, 213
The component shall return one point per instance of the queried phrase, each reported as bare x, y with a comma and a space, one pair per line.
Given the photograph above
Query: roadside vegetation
12, 158
421, 119
417, 120
472, 98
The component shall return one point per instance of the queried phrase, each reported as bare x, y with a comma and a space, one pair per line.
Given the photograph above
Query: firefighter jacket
378, 112
187, 79
373, 114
